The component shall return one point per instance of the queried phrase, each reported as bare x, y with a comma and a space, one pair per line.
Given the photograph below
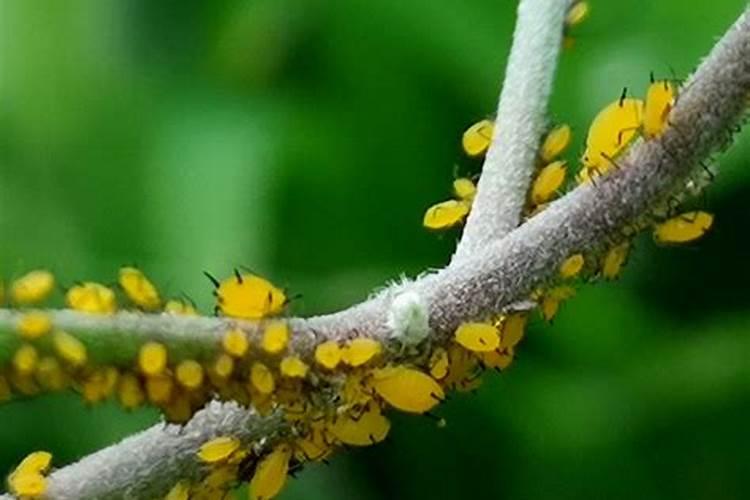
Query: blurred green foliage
304, 139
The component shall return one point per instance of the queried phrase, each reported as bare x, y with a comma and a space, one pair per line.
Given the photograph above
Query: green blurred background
305, 139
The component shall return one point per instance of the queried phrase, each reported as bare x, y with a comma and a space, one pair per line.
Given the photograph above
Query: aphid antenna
623, 95
238, 275
212, 279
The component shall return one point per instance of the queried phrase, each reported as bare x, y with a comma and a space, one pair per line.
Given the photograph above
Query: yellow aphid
610, 133
189, 374
293, 367
159, 388
550, 302
660, 98
512, 330
369, 428
235, 342
152, 358
328, 354
91, 298
439, 364
555, 143
275, 337
407, 389
499, 360
25, 359
262, 378
180, 491
218, 449
69, 349
359, 351
27, 484
129, 391
314, 445
445, 214
34, 325
139, 289
50, 374
249, 296
223, 366
577, 13
478, 137
548, 181
572, 266
683, 228
463, 370
180, 307
38, 461
464, 189
100, 384
270, 474
32, 288
478, 337
614, 259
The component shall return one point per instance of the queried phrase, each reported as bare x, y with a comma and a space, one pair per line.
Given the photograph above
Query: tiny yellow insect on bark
69, 349
159, 388
548, 181
477, 138
614, 259
129, 392
407, 389
328, 354
249, 296
550, 302
34, 325
359, 351
445, 214
32, 288
439, 364
499, 360
180, 307
152, 358
572, 266
555, 143
25, 359
189, 374
660, 99
611, 132
139, 289
262, 378
223, 366
218, 449
464, 189
369, 428
293, 367
478, 337
275, 337
50, 374
577, 13
683, 228
91, 298
270, 474
235, 343
513, 328
180, 491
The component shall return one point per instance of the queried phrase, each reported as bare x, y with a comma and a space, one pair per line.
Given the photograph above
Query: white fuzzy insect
408, 319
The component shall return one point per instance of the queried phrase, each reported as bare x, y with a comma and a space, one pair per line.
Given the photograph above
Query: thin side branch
521, 119
496, 275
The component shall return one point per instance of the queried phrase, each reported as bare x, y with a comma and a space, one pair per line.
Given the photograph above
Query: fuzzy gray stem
496, 276
520, 123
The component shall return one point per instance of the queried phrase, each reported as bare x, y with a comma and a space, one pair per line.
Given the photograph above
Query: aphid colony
334, 395
614, 129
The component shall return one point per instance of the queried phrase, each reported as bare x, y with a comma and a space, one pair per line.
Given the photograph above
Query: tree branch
520, 123
494, 277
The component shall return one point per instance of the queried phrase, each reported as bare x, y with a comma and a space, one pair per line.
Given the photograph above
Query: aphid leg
621, 132
623, 96
238, 275
212, 278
